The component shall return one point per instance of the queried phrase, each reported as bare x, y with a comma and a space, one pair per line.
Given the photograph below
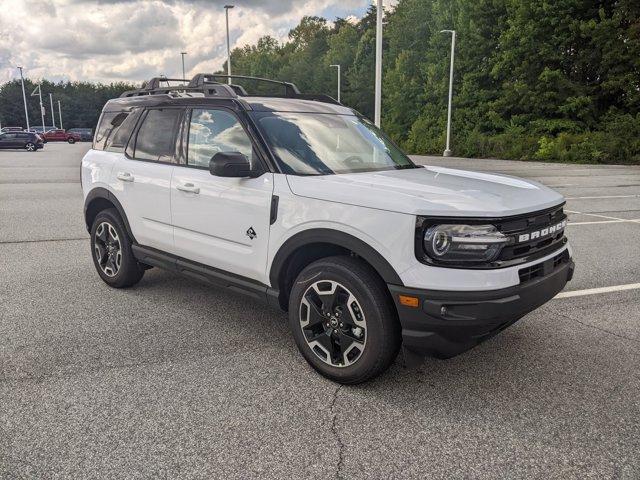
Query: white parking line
602, 196
597, 222
594, 291
621, 220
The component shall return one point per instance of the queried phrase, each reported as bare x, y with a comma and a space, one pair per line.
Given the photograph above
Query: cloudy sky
131, 40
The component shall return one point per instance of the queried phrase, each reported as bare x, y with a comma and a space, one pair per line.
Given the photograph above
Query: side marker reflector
408, 301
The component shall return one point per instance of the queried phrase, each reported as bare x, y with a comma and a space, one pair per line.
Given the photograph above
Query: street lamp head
337, 66
229, 6
447, 31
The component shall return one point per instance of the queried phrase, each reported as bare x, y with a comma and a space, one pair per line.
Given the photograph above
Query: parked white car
300, 201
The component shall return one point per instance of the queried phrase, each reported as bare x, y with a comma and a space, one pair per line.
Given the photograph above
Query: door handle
188, 187
124, 176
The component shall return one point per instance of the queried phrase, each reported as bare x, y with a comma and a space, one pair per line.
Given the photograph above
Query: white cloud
132, 40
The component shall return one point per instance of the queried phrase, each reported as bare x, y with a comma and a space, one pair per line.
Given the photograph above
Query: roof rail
290, 89
208, 85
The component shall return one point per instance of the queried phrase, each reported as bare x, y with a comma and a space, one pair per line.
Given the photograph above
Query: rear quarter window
108, 127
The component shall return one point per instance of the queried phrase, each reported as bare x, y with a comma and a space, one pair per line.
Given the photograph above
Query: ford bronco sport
300, 201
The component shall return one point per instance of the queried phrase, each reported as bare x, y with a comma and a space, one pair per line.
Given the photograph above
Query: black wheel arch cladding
335, 242
98, 199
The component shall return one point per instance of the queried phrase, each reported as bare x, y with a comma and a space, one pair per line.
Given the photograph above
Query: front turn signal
408, 301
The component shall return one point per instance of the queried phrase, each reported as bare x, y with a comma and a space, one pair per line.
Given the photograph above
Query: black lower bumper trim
446, 323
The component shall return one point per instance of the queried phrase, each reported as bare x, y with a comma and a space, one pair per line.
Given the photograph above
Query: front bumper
447, 323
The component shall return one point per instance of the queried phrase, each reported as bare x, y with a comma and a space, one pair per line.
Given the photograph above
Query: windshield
323, 144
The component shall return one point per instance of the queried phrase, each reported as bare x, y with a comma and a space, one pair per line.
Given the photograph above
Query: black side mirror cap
232, 164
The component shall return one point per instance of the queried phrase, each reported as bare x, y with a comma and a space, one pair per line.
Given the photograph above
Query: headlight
463, 243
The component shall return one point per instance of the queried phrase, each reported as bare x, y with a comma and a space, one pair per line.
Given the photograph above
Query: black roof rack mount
208, 85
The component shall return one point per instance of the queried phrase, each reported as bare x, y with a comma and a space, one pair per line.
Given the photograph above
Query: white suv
300, 201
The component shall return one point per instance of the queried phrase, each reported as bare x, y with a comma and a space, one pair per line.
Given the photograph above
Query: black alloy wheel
333, 323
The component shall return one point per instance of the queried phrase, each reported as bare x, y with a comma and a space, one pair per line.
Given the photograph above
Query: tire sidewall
375, 322
129, 266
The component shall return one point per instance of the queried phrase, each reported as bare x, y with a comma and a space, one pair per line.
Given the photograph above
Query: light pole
33, 94
24, 97
184, 78
378, 86
338, 67
53, 117
60, 114
226, 11
447, 152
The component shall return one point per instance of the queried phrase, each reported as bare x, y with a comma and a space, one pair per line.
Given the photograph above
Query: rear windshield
325, 144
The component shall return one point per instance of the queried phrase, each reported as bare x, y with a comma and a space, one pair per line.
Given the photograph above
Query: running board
206, 274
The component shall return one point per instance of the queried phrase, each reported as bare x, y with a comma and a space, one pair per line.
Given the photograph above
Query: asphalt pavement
174, 379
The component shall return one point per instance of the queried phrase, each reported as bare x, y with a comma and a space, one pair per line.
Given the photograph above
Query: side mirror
231, 164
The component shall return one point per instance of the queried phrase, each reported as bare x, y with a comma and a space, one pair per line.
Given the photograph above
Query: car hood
430, 191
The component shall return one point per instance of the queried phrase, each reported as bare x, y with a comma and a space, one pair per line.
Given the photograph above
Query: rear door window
156, 137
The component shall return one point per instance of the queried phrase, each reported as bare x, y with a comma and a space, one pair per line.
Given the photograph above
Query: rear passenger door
141, 178
218, 221
9, 140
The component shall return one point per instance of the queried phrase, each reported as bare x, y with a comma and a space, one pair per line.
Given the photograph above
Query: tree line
81, 102
554, 80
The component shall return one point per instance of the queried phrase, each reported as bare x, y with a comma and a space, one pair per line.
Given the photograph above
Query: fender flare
333, 237
103, 193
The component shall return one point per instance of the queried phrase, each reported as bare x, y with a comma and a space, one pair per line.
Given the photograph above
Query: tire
71, 140
108, 235
30, 147
359, 299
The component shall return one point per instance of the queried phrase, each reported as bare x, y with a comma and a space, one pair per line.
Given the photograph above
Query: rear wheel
343, 320
111, 251
30, 147
71, 140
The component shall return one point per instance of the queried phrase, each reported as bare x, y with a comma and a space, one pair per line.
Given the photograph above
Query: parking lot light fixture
447, 152
338, 67
226, 11
24, 97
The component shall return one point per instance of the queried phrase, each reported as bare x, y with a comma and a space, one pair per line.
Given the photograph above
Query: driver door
219, 221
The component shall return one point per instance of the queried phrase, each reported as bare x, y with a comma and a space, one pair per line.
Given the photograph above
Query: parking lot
173, 379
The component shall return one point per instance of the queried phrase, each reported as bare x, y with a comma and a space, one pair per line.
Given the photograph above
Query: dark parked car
60, 135
11, 129
86, 134
27, 140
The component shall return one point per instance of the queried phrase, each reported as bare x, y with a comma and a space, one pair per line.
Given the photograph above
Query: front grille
543, 268
536, 247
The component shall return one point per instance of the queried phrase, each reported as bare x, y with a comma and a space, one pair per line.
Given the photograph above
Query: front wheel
30, 147
343, 320
111, 251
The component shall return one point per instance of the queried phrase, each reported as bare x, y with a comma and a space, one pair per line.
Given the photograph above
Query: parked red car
60, 135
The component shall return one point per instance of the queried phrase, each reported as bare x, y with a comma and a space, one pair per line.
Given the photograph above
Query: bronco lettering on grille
536, 234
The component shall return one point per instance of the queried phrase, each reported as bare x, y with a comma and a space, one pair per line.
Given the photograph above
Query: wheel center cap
333, 321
